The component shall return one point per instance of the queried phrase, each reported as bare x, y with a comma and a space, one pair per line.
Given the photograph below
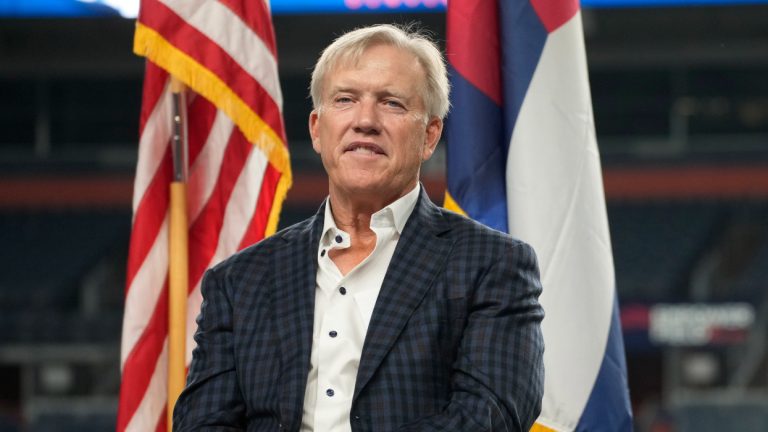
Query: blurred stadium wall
680, 97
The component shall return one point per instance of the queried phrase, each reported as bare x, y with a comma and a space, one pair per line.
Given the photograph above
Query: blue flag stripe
476, 155
522, 41
608, 407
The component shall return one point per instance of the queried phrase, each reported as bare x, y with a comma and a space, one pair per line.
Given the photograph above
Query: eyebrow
339, 89
383, 92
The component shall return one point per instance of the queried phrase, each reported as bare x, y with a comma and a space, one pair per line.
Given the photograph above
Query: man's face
372, 131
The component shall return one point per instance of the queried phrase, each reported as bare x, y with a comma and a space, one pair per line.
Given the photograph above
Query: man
382, 312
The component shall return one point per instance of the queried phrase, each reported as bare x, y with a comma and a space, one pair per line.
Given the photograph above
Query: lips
364, 148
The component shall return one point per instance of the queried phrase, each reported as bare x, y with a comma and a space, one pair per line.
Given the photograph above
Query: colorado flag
523, 158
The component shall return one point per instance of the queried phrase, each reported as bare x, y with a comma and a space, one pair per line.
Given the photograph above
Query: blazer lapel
295, 270
418, 258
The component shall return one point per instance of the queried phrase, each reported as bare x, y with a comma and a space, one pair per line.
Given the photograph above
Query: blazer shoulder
464, 229
260, 252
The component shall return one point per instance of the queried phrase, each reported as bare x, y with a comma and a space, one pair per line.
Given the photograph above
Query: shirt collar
398, 212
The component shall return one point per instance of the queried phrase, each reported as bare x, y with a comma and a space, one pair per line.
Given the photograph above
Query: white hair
351, 46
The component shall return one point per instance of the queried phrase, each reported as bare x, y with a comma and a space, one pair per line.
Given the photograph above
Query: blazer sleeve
212, 399
498, 376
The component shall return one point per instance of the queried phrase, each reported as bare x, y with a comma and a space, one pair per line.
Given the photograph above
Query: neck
354, 215
352, 212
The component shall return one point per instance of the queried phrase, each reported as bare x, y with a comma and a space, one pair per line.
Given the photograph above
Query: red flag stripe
204, 114
255, 15
554, 14
478, 66
154, 82
258, 225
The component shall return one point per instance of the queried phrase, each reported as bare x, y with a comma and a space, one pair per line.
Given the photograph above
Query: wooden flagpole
178, 253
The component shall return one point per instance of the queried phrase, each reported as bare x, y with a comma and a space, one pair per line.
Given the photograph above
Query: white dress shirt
343, 309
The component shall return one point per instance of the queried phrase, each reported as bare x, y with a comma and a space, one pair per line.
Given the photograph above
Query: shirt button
343, 291
338, 239
322, 253
329, 392
332, 333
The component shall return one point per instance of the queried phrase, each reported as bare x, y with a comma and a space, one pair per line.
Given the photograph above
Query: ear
434, 130
314, 117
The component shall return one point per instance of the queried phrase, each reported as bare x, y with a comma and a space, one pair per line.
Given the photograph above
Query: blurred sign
696, 324
129, 8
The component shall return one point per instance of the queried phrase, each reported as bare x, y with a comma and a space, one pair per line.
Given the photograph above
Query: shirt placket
335, 362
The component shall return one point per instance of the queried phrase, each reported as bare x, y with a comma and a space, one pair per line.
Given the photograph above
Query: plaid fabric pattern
454, 343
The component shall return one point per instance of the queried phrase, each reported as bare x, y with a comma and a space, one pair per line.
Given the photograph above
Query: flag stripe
255, 15
604, 409
554, 14
259, 223
155, 79
476, 157
199, 132
480, 67
522, 40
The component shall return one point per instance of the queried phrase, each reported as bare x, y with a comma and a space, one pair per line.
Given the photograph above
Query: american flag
239, 171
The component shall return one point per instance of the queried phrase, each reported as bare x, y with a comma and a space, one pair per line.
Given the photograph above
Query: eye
394, 104
342, 99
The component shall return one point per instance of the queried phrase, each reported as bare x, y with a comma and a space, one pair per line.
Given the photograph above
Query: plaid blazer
454, 343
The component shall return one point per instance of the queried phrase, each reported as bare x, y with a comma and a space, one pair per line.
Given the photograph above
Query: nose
367, 118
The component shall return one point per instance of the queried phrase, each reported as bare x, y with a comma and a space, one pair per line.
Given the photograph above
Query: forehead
378, 63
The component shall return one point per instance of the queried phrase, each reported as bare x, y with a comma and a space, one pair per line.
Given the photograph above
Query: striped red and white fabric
239, 171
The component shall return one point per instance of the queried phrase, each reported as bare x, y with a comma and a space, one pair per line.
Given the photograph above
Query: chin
366, 188
363, 181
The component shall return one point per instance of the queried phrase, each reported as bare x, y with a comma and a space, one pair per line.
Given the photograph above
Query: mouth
364, 148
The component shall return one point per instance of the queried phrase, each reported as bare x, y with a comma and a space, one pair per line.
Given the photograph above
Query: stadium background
680, 95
